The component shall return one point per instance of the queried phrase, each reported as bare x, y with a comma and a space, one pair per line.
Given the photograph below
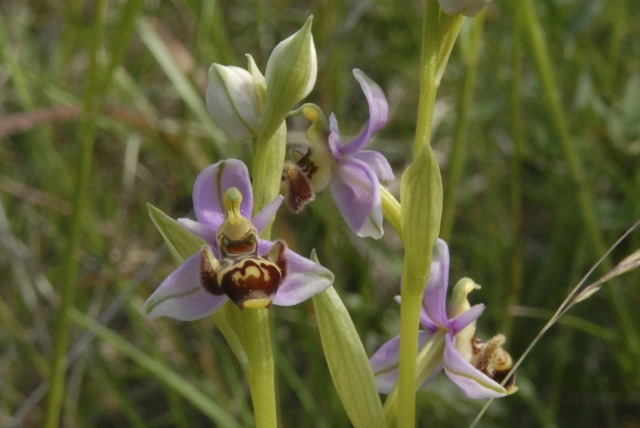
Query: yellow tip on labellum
257, 303
232, 201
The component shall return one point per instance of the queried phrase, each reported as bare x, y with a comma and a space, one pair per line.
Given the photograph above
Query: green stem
439, 33
428, 72
70, 273
438, 38
266, 172
268, 161
428, 360
261, 367
409, 316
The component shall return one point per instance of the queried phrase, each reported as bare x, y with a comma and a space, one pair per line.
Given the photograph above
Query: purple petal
204, 231
384, 362
305, 278
356, 192
211, 185
472, 381
181, 296
464, 319
377, 162
335, 140
434, 302
263, 218
378, 111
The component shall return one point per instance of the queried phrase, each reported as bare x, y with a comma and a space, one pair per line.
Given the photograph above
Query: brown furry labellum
250, 281
296, 187
491, 359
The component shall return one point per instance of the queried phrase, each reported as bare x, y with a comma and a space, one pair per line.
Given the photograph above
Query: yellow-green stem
409, 316
439, 33
428, 360
261, 367
266, 173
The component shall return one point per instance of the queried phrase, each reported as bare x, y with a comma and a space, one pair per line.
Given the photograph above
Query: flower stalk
439, 33
428, 361
421, 193
409, 315
266, 171
261, 372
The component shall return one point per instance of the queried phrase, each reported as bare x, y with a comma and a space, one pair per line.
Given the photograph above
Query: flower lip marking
247, 278
248, 245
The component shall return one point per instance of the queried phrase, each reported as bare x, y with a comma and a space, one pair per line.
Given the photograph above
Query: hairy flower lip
434, 318
352, 173
181, 296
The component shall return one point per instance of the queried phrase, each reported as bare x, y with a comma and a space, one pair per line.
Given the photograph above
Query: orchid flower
223, 203
476, 367
352, 173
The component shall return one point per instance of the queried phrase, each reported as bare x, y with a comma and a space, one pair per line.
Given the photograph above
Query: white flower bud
233, 101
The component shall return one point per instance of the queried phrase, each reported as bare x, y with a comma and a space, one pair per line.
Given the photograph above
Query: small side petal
263, 218
211, 185
305, 278
472, 381
356, 191
384, 362
377, 162
458, 323
181, 296
434, 302
378, 111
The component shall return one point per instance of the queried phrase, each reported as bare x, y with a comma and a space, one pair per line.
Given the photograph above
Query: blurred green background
538, 137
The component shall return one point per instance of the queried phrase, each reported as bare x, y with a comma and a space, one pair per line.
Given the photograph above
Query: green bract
290, 76
421, 197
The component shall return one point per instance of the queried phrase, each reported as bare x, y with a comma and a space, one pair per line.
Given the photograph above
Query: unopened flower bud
290, 76
233, 101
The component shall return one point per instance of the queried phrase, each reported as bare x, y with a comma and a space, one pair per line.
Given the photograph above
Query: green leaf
182, 243
348, 362
421, 198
